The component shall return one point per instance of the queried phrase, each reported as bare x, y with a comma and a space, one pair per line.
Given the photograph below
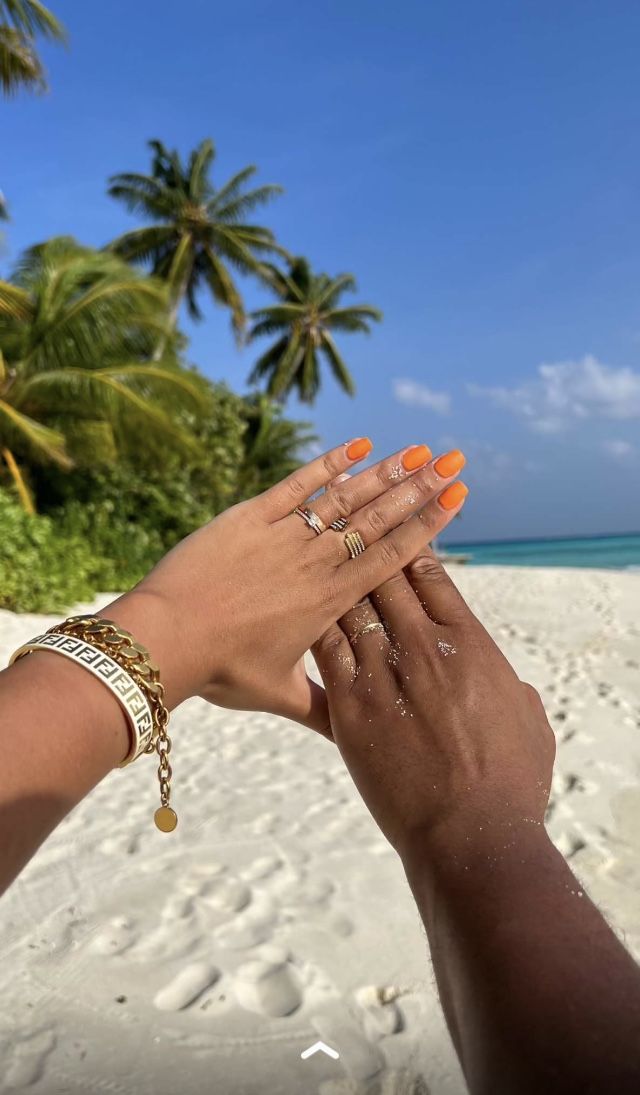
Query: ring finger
391, 509
361, 624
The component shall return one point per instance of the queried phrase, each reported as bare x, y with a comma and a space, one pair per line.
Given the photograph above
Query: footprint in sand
198, 878
186, 986
262, 868
381, 1015
268, 984
226, 895
173, 939
250, 928
177, 907
115, 938
28, 1058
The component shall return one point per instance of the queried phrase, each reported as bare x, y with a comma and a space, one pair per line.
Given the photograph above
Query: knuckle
422, 485
383, 476
427, 567
331, 466
532, 694
376, 520
341, 503
329, 642
296, 488
389, 554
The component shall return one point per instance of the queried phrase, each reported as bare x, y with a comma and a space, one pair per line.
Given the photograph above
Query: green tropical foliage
303, 321
21, 22
77, 330
273, 445
199, 233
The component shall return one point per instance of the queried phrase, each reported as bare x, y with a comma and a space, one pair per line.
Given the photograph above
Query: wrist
155, 623
471, 845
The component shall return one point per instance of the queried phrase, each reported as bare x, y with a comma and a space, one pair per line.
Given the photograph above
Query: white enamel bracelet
116, 679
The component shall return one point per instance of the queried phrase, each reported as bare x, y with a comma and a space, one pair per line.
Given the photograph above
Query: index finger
280, 500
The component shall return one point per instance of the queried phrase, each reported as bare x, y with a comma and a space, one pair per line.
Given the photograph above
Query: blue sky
475, 165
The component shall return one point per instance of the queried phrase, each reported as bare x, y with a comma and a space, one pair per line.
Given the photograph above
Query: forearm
62, 731
537, 991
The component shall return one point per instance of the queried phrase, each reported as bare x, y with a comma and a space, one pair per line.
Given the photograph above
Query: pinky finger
278, 501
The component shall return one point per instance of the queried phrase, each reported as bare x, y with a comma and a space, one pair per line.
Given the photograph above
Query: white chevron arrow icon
320, 1047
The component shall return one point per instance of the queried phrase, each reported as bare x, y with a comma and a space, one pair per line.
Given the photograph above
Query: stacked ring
354, 543
311, 519
340, 524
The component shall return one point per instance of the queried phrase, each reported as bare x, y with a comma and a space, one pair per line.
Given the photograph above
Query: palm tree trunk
24, 493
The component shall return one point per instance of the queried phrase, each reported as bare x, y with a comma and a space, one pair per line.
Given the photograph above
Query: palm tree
304, 320
20, 22
199, 231
77, 330
272, 445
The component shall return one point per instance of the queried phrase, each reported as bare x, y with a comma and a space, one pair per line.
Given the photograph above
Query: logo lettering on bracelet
104, 666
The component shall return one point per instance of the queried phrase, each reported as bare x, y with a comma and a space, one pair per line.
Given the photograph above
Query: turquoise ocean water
610, 552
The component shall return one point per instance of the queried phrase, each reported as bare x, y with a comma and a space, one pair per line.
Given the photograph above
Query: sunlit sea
610, 552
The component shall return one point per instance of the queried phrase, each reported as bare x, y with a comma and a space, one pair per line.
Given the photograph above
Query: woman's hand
230, 612
443, 741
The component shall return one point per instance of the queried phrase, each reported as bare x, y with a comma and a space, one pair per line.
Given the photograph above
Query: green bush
40, 569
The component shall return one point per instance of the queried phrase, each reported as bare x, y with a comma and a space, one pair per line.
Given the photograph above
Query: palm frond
338, 366
15, 302
200, 162
18, 430
285, 368
222, 287
30, 17
232, 188
235, 209
352, 319
265, 364
20, 66
144, 244
334, 289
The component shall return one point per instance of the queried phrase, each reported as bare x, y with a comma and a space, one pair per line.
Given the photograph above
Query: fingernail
415, 457
453, 496
359, 448
450, 463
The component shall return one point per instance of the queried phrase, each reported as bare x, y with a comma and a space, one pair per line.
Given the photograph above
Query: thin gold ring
354, 543
311, 519
377, 626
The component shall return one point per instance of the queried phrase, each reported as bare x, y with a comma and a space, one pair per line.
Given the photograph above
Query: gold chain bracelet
134, 659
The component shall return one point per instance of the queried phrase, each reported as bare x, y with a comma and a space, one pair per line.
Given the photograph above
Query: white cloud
418, 395
485, 463
567, 391
619, 449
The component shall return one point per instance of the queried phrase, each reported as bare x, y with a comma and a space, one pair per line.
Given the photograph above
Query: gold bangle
134, 660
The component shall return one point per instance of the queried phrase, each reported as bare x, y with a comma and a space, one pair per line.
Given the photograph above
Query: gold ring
377, 626
354, 544
311, 519
339, 524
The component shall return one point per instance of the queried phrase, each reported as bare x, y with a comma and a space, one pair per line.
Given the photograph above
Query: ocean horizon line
540, 539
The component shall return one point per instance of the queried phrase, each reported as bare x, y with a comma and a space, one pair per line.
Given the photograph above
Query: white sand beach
205, 961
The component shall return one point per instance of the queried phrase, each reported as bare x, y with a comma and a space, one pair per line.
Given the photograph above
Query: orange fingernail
450, 463
415, 457
453, 496
359, 448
